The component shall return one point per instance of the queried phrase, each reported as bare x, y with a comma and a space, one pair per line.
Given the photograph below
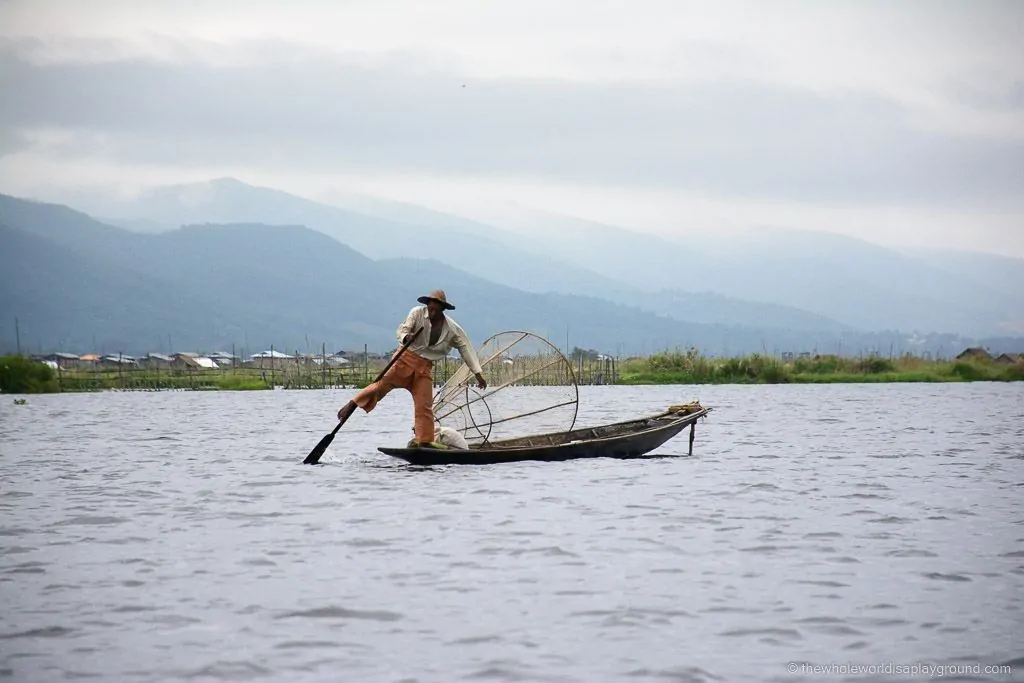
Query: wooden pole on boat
693, 427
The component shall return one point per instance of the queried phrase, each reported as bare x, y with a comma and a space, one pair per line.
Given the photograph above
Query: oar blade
319, 450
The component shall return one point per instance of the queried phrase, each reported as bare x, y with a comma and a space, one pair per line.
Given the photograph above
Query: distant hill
68, 301
999, 274
857, 283
387, 229
810, 279
70, 280
700, 305
711, 307
226, 200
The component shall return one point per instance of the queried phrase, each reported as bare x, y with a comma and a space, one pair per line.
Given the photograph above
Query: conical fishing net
531, 389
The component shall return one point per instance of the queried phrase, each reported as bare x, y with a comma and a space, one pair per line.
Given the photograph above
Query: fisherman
413, 371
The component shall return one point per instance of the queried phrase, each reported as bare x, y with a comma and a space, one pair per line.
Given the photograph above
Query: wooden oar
321, 448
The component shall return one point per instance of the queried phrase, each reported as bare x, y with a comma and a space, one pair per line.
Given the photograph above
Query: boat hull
624, 440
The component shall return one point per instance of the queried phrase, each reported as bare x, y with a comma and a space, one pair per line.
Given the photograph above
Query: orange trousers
411, 372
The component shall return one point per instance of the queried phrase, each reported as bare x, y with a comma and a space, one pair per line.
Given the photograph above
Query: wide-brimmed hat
438, 296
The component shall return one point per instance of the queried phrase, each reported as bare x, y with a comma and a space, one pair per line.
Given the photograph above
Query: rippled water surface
176, 536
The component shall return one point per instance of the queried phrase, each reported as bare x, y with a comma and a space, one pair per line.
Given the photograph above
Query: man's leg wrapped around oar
415, 374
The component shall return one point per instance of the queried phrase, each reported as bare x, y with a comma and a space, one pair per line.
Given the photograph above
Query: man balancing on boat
427, 335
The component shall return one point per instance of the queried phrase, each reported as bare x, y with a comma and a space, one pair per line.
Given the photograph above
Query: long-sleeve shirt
451, 336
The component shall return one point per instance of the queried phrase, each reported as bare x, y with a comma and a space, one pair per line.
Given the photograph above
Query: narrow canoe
630, 439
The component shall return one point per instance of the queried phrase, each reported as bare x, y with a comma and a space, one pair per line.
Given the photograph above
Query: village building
61, 360
157, 361
974, 353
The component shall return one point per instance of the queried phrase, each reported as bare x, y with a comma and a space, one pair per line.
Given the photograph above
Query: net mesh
531, 389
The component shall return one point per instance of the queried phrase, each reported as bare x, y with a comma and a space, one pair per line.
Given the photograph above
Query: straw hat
438, 296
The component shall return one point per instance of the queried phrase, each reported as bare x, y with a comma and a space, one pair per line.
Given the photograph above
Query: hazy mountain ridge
226, 200
1001, 274
253, 285
694, 306
712, 307
965, 280
386, 229
216, 286
860, 284
66, 300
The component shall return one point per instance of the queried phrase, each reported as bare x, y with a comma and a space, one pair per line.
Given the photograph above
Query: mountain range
221, 264
842, 281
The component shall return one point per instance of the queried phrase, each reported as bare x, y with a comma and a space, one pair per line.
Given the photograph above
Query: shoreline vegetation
21, 375
692, 368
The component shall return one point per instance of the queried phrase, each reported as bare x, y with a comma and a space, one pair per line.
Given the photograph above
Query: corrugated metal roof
330, 360
114, 358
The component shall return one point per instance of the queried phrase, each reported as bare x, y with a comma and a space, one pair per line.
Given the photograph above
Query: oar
321, 448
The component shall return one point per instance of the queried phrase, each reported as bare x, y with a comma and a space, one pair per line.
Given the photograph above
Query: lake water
176, 536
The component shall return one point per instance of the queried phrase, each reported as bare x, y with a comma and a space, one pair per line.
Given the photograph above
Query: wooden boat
630, 439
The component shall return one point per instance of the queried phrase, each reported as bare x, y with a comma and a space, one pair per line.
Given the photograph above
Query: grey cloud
732, 138
11, 141
1007, 99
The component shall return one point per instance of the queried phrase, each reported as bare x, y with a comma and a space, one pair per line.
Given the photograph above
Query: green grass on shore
692, 368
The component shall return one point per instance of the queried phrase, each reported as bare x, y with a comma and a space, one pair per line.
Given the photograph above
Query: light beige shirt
452, 336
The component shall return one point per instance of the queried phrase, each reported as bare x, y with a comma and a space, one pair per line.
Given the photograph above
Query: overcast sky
899, 122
